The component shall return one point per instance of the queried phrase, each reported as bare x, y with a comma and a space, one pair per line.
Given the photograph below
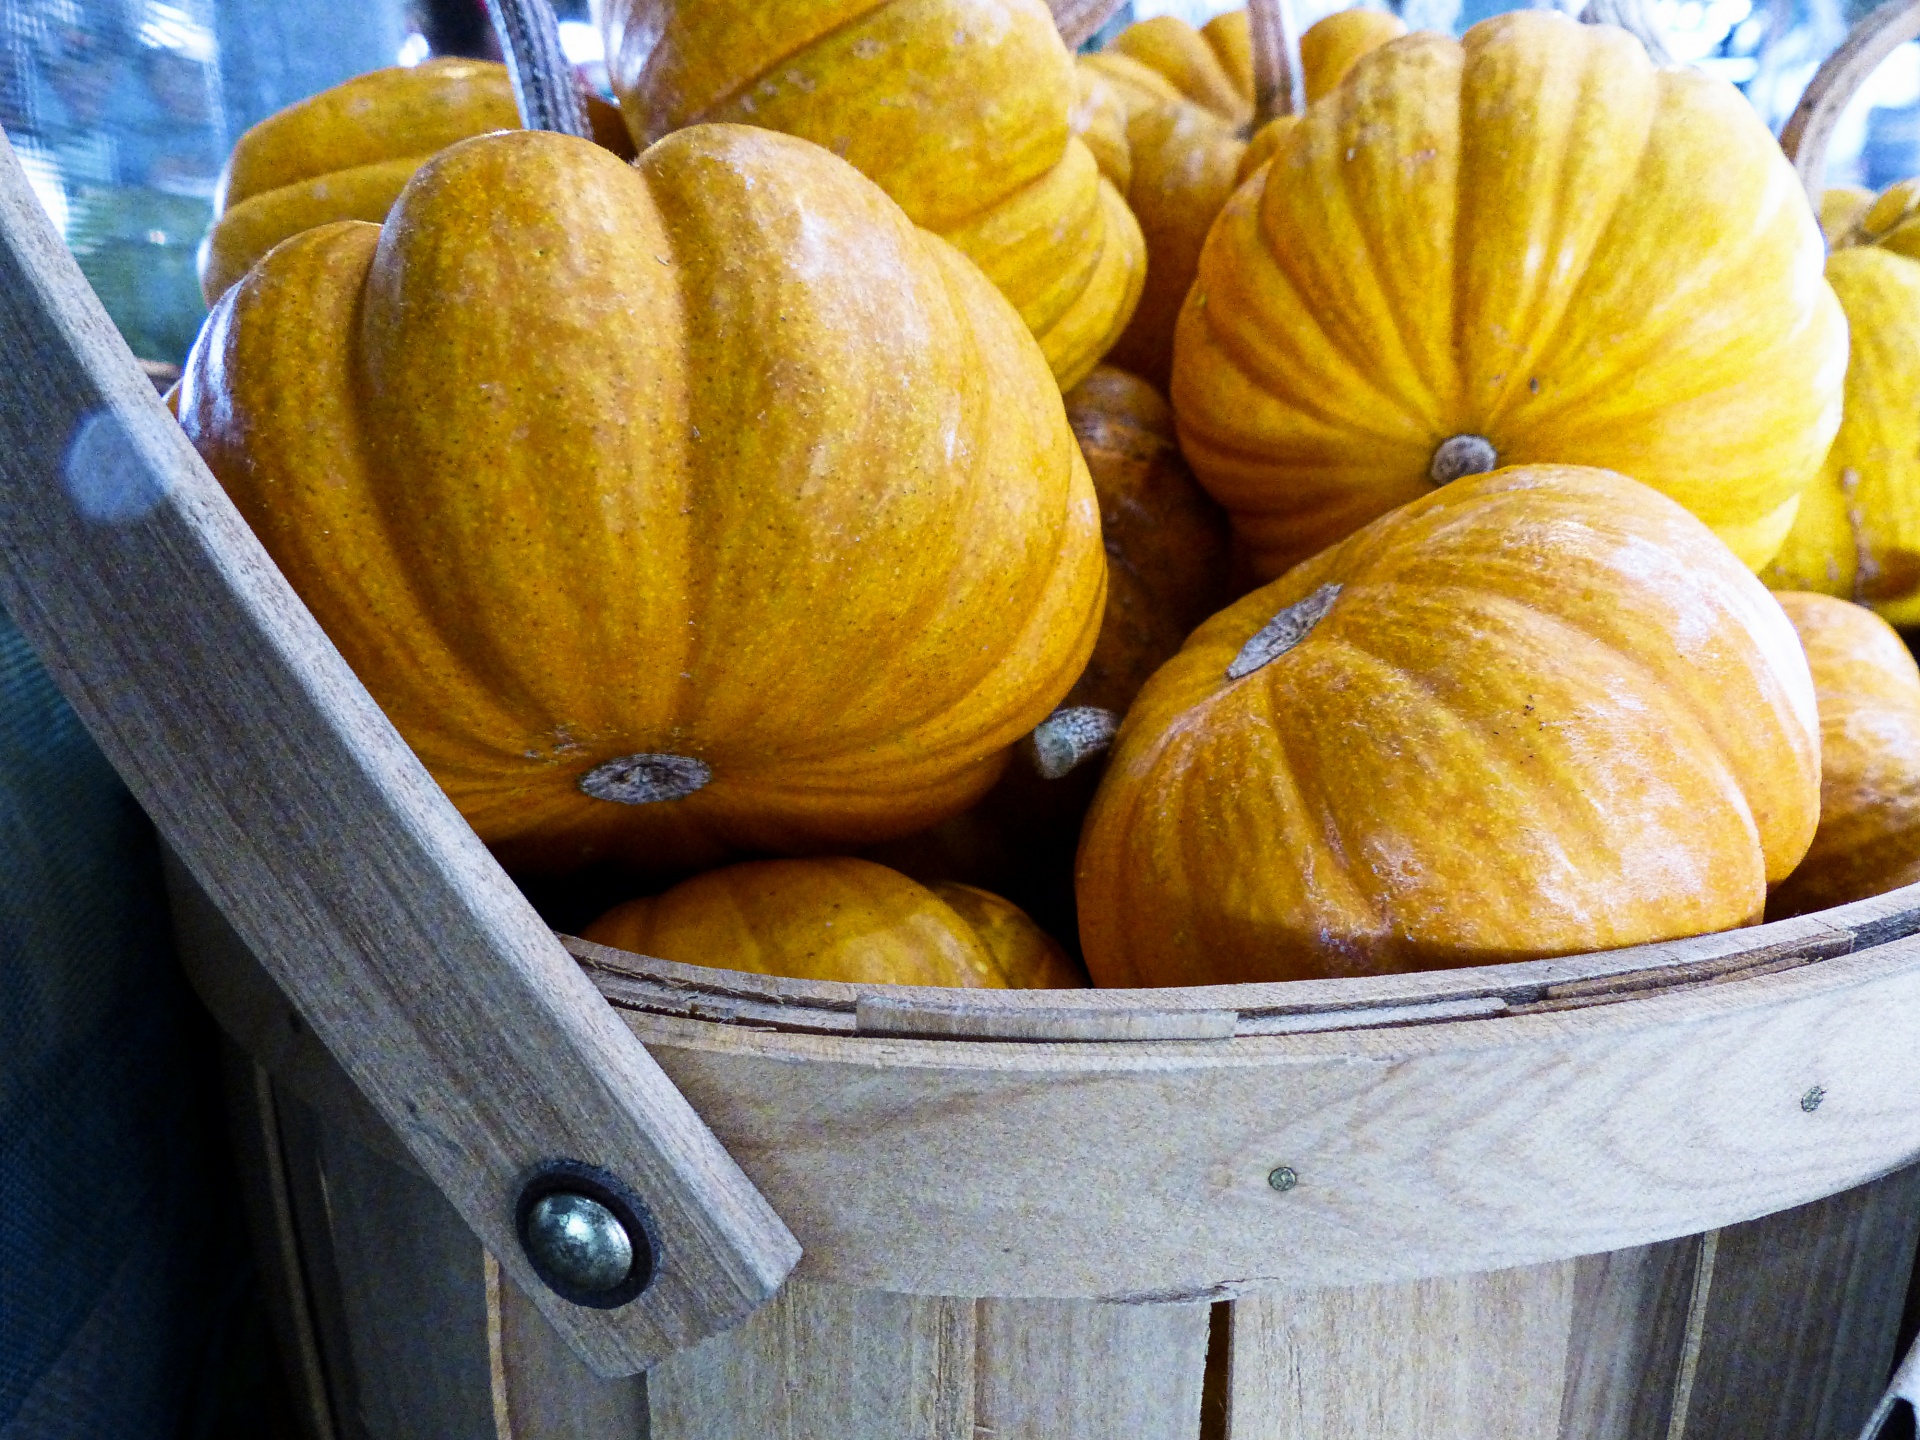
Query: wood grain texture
1809, 130
1138, 1170
1471, 1357
1628, 1340
1077, 20
298, 808
541, 1392
1799, 1326
1058, 1369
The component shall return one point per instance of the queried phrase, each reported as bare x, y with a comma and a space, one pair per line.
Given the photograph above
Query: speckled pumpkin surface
1536, 712
346, 153
708, 477
1534, 237
840, 919
1858, 531
957, 108
1869, 693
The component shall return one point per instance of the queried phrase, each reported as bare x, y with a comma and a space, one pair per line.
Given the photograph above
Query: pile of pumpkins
753, 518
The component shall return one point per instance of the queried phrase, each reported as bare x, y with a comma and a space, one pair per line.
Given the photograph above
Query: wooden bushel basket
1658, 1194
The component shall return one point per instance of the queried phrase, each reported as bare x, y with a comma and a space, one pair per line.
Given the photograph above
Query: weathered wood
1077, 20
824, 1361
299, 809
1471, 1357
1054, 1369
1809, 130
1799, 1325
1140, 1170
1629, 1340
540, 1391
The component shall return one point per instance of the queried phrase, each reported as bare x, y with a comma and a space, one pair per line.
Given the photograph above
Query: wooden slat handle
1809, 130
1077, 20
302, 813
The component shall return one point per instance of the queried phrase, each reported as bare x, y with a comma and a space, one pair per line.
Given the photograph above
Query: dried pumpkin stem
646, 779
1636, 18
1283, 632
1809, 130
1070, 737
1279, 79
543, 81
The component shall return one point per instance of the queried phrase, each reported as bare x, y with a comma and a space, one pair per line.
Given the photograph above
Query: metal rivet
586, 1235
1282, 1178
579, 1241
1810, 1101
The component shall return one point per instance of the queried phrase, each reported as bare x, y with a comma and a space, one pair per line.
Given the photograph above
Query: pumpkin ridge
786, 57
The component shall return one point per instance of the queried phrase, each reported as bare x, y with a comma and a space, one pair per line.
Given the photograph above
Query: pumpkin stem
1068, 738
544, 86
644, 779
1636, 18
1462, 455
1279, 79
1283, 632
1809, 129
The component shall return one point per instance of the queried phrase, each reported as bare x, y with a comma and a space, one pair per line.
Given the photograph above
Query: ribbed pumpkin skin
1858, 531
1025, 955
346, 153
1206, 65
1547, 713
1188, 158
831, 919
1869, 692
1099, 120
1532, 236
714, 455
957, 108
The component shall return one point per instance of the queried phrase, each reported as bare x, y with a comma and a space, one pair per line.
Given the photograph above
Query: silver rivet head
1282, 1178
579, 1242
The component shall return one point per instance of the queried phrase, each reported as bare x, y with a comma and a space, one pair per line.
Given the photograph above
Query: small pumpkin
1099, 121
346, 153
1868, 688
840, 919
1530, 246
1189, 154
1841, 208
657, 525
959, 109
1857, 533
1536, 712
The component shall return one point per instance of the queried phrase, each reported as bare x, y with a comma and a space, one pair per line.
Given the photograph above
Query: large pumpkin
1536, 712
840, 919
958, 108
1530, 246
1869, 693
1858, 531
658, 524
1187, 154
346, 153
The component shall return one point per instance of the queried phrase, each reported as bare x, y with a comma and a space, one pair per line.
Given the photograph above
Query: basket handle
1077, 20
1809, 130
274, 775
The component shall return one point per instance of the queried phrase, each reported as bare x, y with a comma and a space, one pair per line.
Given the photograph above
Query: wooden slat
1799, 1326
1066, 1369
540, 1391
826, 1363
1628, 1340
296, 805
1470, 1357
1077, 20
1809, 130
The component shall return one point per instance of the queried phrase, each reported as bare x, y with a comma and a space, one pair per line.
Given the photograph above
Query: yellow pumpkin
1869, 693
1530, 246
840, 919
658, 524
957, 108
1841, 207
346, 153
1535, 712
1211, 67
1189, 154
1099, 121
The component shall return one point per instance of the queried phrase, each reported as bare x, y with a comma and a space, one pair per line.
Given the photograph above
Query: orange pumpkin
668, 509
346, 153
840, 919
1869, 693
1528, 247
1188, 155
958, 109
1536, 712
